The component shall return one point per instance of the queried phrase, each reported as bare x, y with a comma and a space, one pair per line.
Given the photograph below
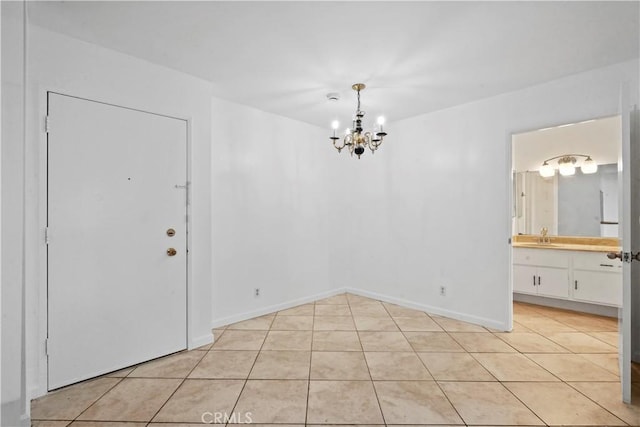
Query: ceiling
415, 57
600, 139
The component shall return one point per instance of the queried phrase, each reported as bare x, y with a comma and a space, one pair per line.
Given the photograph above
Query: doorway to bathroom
571, 220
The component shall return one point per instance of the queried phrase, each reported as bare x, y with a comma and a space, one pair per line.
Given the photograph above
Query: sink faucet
543, 236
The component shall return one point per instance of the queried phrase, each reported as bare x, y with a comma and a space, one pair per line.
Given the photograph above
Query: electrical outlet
257, 292
443, 290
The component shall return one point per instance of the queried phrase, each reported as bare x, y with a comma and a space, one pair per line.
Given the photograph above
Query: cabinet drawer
545, 257
596, 261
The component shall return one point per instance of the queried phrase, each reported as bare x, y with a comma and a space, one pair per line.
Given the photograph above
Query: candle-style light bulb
334, 125
381, 122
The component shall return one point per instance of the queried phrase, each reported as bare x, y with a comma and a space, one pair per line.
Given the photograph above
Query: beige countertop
568, 243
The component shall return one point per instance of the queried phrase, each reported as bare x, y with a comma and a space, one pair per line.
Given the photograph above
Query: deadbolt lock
171, 232
171, 252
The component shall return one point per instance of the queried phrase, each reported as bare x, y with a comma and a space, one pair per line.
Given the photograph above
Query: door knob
614, 255
171, 252
624, 256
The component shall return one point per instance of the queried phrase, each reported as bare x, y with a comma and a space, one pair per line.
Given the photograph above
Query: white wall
297, 219
271, 221
73, 67
433, 208
13, 390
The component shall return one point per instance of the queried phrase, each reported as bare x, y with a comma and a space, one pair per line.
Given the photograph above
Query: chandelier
567, 165
355, 139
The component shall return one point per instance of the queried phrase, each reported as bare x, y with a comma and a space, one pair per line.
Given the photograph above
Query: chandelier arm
338, 147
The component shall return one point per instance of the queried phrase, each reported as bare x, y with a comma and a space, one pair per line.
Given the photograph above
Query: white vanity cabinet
544, 273
597, 279
573, 275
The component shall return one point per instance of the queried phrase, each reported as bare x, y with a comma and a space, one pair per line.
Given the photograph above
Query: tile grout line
599, 339
313, 324
561, 381
253, 365
179, 385
500, 382
92, 403
424, 364
535, 333
569, 352
523, 404
373, 385
544, 312
512, 393
592, 400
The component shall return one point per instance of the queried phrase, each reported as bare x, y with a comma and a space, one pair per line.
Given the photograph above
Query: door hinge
46, 346
47, 124
628, 257
46, 235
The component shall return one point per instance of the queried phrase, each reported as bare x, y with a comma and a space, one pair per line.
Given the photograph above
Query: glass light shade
567, 169
589, 166
547, 171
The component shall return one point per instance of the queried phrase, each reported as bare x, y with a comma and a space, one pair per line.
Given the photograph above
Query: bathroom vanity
568, 268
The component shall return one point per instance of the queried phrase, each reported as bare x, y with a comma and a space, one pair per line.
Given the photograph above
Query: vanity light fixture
355, 139
567, 165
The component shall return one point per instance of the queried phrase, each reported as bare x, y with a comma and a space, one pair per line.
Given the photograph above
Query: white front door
116, 296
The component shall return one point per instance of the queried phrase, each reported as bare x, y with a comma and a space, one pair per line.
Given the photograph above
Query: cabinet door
554, 282
597, 286
524, 279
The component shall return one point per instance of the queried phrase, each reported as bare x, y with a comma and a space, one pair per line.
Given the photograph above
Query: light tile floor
353, 360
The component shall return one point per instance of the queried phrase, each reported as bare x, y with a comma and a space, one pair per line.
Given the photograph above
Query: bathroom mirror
580, 201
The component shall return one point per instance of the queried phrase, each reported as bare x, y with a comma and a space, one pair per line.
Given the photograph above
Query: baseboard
482, 321
200, 341
216, 323
599, 310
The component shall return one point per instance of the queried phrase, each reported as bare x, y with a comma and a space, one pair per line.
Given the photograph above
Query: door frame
511, 189
36, 349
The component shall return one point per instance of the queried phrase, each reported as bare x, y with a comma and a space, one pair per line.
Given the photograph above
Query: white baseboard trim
200, 341
489, 323
482, 321
216, 323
